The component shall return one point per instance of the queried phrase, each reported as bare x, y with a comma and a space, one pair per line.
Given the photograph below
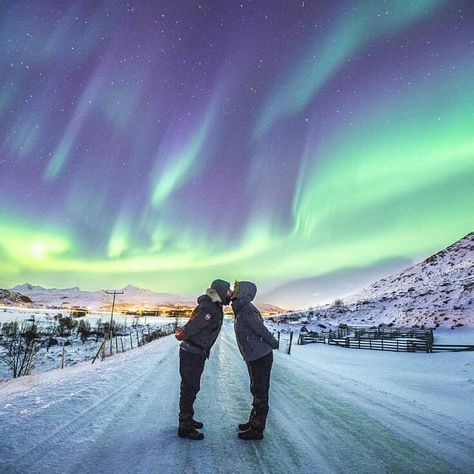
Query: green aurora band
394, 178
364, 23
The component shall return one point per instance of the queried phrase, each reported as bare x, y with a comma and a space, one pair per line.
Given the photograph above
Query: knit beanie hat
221, 287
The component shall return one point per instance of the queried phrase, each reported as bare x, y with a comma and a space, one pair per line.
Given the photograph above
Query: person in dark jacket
256, 344
198, 336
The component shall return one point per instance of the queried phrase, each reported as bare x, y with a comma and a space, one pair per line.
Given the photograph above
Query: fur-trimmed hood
211, 295
215, 298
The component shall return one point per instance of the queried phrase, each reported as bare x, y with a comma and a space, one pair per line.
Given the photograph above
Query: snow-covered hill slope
13, 297
438, 292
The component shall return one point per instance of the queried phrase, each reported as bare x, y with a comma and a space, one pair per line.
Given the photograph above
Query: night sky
167, 143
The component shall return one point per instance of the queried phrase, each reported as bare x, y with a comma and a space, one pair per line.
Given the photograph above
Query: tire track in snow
342, 438
139, 437
436, 438
313, 424
96, 416
232, 406
318, 422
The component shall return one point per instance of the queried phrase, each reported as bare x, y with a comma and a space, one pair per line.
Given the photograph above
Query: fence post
116, 345
138, 339
62, 356
278, 340
121, 343
289, 345
30, 361
98, 352
131, 340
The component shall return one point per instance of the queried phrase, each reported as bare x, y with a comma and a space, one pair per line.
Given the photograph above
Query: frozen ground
77, 350
332, 410
7, 314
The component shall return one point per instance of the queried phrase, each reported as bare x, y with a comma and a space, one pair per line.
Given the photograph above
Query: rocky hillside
438, 292
61, 297
11, 298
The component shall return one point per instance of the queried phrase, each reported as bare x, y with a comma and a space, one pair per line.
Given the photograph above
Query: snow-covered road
120, 416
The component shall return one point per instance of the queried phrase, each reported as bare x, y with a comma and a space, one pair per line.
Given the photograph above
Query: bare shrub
19, 349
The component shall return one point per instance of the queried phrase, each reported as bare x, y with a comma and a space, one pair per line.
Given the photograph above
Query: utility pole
112, 292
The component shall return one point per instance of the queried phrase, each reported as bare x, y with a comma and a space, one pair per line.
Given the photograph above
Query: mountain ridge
436, 292
132, 297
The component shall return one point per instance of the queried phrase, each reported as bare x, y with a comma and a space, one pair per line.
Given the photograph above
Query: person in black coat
198, 336
256, 344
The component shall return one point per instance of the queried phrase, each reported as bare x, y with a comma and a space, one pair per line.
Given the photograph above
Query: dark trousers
259, 372
191, 367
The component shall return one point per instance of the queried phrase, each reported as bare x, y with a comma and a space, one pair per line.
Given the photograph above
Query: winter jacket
201, 331
253, 338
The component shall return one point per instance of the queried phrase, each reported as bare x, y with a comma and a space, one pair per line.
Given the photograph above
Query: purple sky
166, 143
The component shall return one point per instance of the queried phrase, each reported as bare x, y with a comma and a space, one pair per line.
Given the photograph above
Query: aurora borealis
168, 143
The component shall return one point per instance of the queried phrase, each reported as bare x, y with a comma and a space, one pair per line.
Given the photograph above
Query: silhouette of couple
255, 343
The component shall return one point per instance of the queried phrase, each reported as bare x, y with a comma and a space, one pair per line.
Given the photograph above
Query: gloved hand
179, 334
275, 344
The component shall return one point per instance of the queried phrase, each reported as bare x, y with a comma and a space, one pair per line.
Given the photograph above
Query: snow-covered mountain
436, 292
61, 297
132, 297
133, 294
67, 297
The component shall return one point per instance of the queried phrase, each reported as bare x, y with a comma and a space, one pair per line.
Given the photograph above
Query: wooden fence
140, 339
280, 341
398, 345
309, 337
381, 339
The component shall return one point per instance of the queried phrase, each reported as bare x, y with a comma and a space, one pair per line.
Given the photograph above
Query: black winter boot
250, 434
196, 424
190, 434
246, 426
257, 426
187, 430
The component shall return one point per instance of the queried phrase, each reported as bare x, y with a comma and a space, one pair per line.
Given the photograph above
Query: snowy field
7, 315
332, 410
77, 351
